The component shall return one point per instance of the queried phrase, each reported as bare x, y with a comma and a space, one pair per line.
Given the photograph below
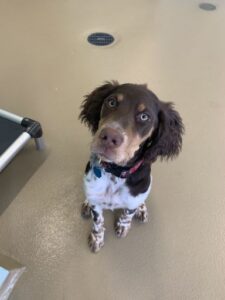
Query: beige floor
46, 67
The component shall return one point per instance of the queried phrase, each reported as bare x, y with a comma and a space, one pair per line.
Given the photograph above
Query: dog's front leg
141, 213
123, 224
96, 237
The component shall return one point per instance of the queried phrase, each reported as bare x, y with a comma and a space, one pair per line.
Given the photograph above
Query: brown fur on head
123, 117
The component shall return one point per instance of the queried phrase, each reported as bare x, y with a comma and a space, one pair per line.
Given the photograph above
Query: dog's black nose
110, 137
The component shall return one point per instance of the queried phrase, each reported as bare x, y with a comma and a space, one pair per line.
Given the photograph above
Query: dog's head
124, 118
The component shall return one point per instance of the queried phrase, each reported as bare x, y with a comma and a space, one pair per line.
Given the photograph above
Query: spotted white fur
110, 192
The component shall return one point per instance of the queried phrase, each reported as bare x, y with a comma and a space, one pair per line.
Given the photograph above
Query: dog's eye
111, 102
143, 117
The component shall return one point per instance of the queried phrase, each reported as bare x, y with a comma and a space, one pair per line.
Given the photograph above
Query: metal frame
32, 129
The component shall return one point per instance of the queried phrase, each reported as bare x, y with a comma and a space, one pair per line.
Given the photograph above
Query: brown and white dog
131, 128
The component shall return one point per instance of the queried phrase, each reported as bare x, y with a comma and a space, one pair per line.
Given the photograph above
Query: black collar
119, 171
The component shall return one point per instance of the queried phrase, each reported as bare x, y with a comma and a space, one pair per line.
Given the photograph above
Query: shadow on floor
18, 173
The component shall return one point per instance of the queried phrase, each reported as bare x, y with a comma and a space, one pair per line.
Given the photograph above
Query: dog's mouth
109, 156
104, 154
104, 158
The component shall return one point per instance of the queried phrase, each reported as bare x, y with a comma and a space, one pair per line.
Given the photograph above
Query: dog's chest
107, 191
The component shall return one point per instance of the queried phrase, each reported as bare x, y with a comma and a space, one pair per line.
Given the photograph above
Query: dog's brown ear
92, 104
167, 139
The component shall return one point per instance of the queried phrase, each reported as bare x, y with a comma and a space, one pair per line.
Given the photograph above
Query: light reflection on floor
3, 275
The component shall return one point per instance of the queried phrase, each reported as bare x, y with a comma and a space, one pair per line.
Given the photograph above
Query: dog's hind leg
85, 210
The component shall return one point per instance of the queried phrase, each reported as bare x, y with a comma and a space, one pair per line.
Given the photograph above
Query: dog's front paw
122, 230
85, 210
95, 242
142, 214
